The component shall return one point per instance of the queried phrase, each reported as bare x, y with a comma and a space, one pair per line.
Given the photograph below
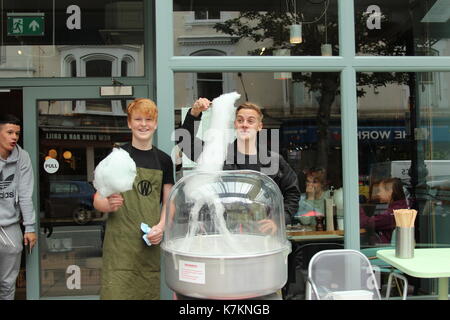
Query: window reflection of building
114, 28
99, 62
207, 13
102, 61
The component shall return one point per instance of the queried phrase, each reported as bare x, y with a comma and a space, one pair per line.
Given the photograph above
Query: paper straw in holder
405, 242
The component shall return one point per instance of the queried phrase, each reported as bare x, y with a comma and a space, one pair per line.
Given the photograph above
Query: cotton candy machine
225, 236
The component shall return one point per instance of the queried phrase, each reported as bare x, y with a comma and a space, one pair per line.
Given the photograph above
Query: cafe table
309, 235
299, 235
426, 263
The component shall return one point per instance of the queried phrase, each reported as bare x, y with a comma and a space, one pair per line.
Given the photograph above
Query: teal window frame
347, 63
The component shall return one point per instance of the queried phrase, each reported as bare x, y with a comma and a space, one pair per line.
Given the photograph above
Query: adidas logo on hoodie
5, 184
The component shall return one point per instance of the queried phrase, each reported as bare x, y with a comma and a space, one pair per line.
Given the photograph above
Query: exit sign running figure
26, 24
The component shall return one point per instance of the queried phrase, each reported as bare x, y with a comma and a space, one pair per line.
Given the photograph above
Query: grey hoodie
16, 190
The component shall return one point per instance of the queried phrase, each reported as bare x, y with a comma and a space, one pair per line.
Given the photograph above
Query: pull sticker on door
51, 165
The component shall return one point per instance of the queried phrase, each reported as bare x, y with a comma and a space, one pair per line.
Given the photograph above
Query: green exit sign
26, 24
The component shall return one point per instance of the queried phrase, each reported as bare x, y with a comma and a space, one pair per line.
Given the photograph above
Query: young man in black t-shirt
244, 154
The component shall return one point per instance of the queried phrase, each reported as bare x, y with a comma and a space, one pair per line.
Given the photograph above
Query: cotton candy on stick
115, 173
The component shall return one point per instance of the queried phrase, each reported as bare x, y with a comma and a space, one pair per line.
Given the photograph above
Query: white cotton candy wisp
217, 138
211, 160
115, 173
220, 133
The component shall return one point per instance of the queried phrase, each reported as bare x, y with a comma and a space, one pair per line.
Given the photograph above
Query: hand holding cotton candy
115, 173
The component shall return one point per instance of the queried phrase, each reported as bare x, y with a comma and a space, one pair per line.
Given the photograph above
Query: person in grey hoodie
16, 206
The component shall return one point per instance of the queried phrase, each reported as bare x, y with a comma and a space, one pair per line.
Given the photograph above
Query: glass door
67, 132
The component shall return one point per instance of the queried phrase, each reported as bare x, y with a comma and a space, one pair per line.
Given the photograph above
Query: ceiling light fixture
295, 29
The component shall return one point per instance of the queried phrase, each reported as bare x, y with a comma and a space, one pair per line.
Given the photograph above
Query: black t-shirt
247, 162
152, 159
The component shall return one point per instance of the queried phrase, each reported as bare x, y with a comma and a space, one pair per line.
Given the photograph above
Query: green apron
131, 269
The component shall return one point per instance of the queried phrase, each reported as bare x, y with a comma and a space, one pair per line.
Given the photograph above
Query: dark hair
9, 118
397, 188
318, 173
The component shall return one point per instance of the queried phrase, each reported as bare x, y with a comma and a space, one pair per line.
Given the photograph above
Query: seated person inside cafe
389, 191
312, 202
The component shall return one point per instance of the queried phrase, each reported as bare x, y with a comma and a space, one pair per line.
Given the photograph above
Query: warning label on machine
193, 272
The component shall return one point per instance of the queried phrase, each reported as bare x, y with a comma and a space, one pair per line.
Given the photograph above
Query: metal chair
341, 274
298, 261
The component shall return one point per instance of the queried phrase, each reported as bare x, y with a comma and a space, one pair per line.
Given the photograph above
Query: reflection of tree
271, 30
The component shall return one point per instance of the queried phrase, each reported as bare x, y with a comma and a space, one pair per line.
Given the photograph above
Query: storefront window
402, 28
298, 113
301, 121
70, 38
71, 144
256, 28
403, 131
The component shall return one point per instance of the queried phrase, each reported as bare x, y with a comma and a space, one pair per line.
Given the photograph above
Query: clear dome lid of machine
225, 214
